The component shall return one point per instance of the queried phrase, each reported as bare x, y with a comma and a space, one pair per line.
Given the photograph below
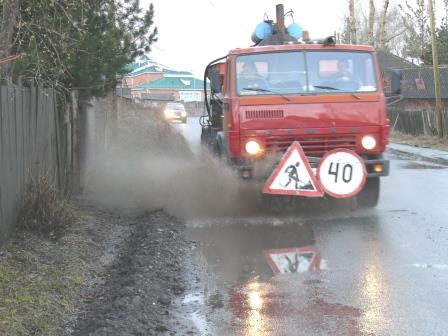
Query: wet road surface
328, 270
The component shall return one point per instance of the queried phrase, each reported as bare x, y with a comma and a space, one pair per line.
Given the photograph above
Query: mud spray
150, 166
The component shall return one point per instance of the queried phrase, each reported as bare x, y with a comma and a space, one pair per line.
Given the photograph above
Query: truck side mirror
395, 81
215, 81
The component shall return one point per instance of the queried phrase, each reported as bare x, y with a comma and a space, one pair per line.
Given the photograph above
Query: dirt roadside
119, 269
132, 295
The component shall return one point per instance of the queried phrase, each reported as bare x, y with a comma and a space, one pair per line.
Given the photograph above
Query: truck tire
370, 194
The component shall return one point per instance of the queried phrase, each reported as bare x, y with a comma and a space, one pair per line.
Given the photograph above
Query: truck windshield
305, 72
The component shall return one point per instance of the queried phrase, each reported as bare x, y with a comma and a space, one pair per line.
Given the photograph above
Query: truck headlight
252, 147
368, 142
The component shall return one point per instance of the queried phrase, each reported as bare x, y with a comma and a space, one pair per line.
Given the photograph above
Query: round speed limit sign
342, 173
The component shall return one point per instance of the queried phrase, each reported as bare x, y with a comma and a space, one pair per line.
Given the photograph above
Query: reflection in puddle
374, 292
255, 322
293, 260
239, 251
268, 273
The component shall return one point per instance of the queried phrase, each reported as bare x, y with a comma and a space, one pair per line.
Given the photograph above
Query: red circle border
348, 151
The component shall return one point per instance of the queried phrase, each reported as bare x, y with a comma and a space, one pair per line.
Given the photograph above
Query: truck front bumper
376, 167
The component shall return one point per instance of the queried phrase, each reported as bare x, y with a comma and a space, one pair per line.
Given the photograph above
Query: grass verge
424, 141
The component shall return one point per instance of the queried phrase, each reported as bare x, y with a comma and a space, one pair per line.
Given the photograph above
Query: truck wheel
369, 196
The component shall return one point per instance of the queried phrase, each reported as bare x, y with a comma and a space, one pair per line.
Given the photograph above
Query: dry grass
44, 210
424, 141
40, 280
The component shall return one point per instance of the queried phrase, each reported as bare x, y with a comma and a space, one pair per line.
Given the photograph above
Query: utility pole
435, 62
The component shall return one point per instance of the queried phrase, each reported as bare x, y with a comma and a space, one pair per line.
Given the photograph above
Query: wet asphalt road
328, 270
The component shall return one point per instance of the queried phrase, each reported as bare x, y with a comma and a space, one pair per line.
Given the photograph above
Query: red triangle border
308, 193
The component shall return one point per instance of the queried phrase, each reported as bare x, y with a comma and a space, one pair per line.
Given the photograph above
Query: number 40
347, 172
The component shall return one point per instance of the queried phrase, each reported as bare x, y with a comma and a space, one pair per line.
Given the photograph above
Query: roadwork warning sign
293, 175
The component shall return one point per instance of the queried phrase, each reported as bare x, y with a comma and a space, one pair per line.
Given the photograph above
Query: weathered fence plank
31, 135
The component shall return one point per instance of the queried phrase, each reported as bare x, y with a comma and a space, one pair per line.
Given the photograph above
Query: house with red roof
149, 80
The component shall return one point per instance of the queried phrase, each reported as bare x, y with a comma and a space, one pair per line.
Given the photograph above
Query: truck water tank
262, 31
295, 30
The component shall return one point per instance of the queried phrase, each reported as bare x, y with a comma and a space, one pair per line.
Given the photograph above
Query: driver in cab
344, 77
249, 79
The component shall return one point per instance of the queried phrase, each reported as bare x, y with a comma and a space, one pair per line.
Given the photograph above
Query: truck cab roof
301, 46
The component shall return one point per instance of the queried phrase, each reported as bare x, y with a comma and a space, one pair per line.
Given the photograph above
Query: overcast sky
194, 32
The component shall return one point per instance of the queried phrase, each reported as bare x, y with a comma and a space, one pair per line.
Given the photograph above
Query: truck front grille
312, 146
264, 114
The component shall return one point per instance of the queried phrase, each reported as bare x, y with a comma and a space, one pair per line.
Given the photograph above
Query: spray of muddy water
151, 166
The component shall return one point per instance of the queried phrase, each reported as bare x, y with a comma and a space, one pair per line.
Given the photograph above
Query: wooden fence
419, 122
37, 138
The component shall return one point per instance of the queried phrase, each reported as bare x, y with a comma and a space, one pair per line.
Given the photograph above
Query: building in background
152, 81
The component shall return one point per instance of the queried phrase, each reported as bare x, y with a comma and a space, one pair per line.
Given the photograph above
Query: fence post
75, 139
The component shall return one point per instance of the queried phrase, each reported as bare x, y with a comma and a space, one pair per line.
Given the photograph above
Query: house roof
173, 83
391, 61
137, 69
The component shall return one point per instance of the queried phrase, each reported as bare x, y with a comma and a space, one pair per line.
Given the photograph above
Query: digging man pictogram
293, 176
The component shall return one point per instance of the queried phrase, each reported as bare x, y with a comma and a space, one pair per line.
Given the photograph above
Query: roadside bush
44, 210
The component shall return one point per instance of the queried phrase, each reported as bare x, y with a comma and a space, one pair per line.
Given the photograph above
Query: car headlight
252, 147
168, 113
368, 142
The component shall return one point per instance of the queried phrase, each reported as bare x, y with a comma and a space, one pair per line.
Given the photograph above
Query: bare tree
417, 35
370, 33
10, 10
369, 24
445, 18
382, 37
353, 28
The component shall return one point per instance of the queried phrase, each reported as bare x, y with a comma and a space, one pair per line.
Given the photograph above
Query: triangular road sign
293, 175
293, 260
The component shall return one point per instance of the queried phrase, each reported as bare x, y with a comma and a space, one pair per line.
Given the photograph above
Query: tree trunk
10, 10
371, 22
353, 32
383, 25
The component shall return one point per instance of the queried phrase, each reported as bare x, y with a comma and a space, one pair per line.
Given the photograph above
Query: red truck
283, 90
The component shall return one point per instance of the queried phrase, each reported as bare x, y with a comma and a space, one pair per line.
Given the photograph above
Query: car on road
175, 111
